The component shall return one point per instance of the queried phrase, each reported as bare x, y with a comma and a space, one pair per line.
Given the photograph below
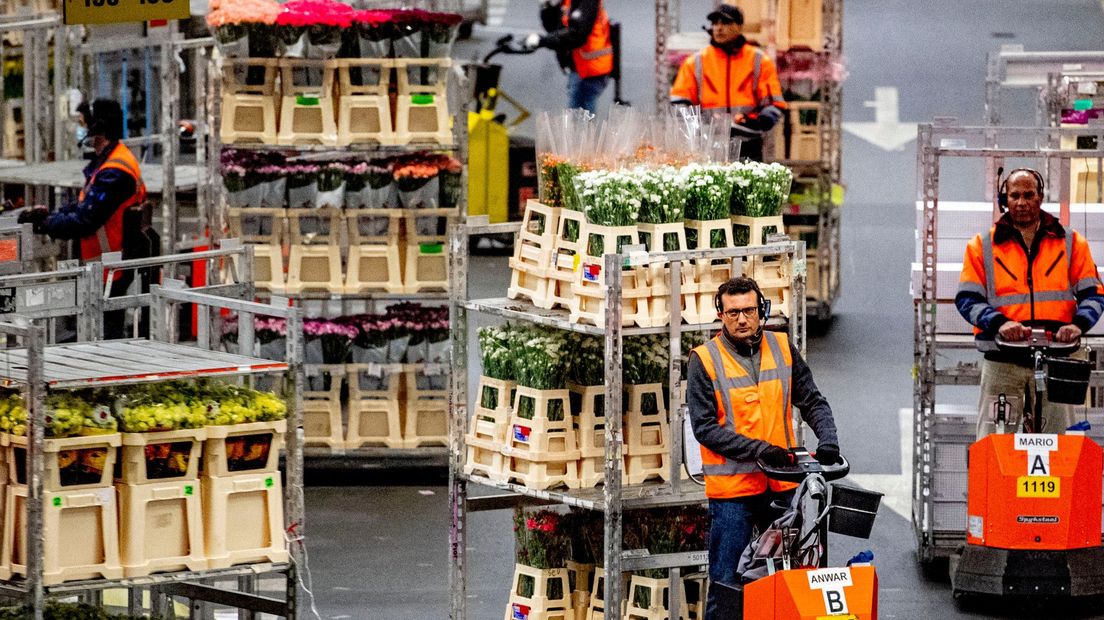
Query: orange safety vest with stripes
595, 57
756, 409
109, 237
1045, 290
739, 83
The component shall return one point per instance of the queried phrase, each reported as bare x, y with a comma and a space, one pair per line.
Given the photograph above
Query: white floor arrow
896, 487
886, 132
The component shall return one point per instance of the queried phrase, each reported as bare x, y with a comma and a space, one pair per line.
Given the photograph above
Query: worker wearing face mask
733, 78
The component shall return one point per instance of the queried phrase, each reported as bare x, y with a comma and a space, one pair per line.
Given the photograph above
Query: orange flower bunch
236, 12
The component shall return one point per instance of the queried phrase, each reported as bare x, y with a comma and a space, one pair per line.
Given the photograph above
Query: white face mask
82, 135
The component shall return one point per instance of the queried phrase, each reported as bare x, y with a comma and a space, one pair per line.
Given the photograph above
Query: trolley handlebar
1040, 340
804, 465
506, 45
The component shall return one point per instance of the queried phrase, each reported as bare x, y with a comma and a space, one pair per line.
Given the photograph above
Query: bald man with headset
742, 386
1027, 271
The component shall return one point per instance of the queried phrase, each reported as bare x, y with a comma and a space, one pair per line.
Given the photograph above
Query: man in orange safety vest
1026, 271
579, 32
735, 79
742, 386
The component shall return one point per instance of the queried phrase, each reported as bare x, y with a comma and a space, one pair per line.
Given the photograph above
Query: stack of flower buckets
283, 85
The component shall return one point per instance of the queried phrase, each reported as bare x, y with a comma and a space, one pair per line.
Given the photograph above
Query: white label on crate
976, 526
375, 370
434, 370
831, 582
106, 496
1038, 447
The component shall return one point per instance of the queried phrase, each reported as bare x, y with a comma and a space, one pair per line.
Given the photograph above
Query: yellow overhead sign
119, 11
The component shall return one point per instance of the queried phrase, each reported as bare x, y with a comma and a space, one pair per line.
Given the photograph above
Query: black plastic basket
1067, 380
853, 511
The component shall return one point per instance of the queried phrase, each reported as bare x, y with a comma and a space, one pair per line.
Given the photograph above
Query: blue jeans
584, 92
731, 523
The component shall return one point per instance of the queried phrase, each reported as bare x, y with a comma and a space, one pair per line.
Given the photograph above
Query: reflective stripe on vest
1011, 300
734, 478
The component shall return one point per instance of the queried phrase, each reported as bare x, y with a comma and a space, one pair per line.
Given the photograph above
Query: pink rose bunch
322, 327
306, 13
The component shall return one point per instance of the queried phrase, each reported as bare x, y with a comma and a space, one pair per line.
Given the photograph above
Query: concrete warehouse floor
378, 543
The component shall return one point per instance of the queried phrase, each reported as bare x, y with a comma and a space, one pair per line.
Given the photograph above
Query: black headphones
764, 303
1002, 186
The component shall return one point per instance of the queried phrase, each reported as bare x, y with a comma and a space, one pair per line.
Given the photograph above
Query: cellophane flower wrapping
541, 363
331, 185
244, 28
327, 341
645, 360
424, 34
759, 189
541, 541
302, 186
497, 350
313, 28
368, 186
662, 531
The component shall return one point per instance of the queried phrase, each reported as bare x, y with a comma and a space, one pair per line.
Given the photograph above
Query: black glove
36, 216
827, 454
776, 457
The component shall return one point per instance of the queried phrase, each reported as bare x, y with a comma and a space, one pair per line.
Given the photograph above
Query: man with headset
1027, 271
742, 385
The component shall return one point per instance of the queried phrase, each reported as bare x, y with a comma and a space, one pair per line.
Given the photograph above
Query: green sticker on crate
432, 248
1081, 105
268, 482
306, 100
422, 99
57, 502
188, 489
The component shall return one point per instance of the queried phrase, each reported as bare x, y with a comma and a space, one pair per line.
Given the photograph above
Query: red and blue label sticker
521, 433
591, 271
520, 612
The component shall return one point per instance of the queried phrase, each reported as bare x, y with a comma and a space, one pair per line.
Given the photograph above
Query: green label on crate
432, 248
268, 482
306, 99
57, 502
1081, 105
188, 489
421, 99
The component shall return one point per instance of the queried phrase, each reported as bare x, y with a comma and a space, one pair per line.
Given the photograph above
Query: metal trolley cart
614, 497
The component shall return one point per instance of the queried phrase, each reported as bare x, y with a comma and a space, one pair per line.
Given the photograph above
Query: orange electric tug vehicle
789, 561
1034, 497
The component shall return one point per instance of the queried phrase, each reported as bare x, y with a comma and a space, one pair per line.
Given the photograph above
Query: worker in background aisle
99, 218
742, 386
734, 78
579, 32
1027, 271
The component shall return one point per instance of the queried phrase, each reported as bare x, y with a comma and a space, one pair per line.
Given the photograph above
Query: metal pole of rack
35, 341
611, 493
458, 420
170, 141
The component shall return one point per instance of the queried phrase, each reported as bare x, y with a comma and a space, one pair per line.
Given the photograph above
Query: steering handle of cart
1041, 341
805, 465
506, 45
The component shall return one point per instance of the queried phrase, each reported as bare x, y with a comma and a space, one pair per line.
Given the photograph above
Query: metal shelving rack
317, 303
613, 498
825, 173
36, 368
939, 146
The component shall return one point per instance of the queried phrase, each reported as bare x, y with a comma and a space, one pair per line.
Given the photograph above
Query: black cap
103, 118
728, 12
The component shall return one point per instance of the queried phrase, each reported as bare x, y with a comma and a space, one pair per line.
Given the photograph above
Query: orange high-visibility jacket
757, 410
595, 57
109, 237
739, 83
1044, 289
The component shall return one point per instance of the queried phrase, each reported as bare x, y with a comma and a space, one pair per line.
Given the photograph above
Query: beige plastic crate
243, 519
243, 449
81, 532
161, 527
161, 456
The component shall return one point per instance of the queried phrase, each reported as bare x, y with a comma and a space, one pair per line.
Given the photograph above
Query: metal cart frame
613, 498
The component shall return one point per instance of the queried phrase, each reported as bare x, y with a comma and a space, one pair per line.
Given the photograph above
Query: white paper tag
976, 525
375, 370
831, 582
1038, 447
